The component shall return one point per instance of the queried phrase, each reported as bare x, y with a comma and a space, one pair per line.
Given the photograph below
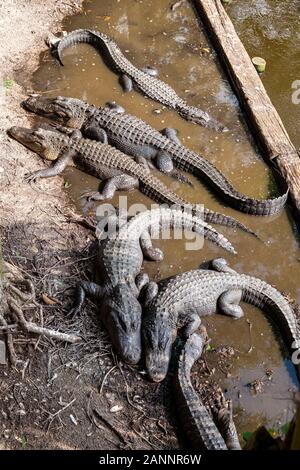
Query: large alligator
117, 169
198, 426
120, 258
143, 79
184, 299
134, 137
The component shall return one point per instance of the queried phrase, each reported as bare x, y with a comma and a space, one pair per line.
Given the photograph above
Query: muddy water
150, 34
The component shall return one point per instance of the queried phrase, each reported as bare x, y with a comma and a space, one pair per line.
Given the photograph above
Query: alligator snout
132, 355
157, 365
29, 104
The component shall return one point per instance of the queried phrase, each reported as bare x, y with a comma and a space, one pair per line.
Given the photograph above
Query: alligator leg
120, 182
164, 163
117, 107
222, 266
228, 303
61, 163
141, 281
150, 71
126, 83
193, 321
96, 133
171, 134
149, 252
84, 288
149, 292
145, 163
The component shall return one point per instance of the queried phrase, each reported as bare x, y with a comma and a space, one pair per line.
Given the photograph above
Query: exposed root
33, 328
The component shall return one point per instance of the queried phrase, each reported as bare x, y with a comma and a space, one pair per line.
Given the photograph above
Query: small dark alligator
117, 169
198, 425
184, 299
134, 137
120, 259
144, 80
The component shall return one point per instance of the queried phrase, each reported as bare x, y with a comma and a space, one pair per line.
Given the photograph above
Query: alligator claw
31, 177
92, 196
73, 312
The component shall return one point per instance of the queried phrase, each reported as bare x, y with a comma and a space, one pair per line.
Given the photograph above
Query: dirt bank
57, 396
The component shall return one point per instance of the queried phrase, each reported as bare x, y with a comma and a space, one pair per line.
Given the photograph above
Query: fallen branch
39, 330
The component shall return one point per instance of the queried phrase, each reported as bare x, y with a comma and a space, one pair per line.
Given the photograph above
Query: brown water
150, 34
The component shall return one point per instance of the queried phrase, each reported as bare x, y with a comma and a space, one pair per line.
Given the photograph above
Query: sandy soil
57, 396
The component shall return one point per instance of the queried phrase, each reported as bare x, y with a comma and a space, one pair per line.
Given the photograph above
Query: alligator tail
75, 37
221, 219
264, 296
188, 160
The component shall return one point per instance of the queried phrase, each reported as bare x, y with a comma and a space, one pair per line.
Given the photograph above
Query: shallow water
149, 33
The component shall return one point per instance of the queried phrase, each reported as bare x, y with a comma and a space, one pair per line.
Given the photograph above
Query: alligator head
44, 142
158, 337
122, 315
69, 111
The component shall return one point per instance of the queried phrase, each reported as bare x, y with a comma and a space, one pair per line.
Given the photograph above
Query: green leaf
209, 348
67, 185
24, 442
247, 435
8, 83
285, 428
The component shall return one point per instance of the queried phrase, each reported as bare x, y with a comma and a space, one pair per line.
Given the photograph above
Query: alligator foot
94, 132
115, 106
32, 177
52, 41
141, 280
221, 265
228, 303
120, 182
171, 134
150, 71
149, 252
82, 289
148, 292
126, 83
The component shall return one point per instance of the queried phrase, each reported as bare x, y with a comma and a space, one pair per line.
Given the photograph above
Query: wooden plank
268, 129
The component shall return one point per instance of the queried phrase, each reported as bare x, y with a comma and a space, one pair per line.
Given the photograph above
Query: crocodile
182, 300
120, 256
198, 425
143, 80
116, 169
134, 137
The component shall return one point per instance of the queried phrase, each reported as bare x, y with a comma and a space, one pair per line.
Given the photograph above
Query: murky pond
151, 34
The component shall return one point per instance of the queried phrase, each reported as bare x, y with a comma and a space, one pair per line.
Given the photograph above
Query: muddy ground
57, 396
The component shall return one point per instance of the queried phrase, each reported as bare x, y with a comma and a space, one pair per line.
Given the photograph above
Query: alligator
120, 257
134, 137
198, 426
143, 80
181, 301
117, 169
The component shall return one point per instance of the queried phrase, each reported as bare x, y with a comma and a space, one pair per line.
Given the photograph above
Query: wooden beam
268, 129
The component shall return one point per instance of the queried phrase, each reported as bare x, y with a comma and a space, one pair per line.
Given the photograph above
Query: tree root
33, 328
9, 292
